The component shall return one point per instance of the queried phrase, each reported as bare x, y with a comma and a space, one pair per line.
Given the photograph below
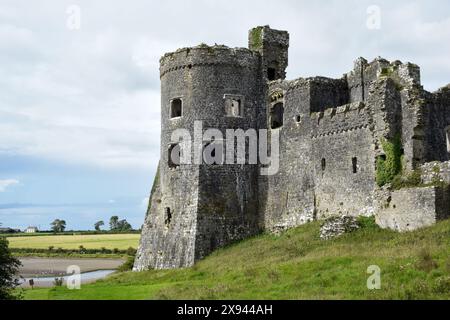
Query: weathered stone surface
433, 172
331, 135
411, 209
337, 226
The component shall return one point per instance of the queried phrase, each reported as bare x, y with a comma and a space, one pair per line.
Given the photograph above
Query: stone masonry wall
435, 171
343, 160
411, 209
287, 198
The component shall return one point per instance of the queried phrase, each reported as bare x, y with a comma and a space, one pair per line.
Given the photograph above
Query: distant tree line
115, 225
119, 225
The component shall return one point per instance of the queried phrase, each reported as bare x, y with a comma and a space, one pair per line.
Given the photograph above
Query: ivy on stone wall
390, 165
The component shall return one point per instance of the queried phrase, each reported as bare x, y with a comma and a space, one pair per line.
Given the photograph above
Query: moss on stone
391, 165
391, 73
436, 169
386, 72
256, 41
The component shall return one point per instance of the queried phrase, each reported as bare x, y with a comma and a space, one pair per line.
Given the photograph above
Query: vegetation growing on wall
390, 165
256, 38
393, 75
410, 180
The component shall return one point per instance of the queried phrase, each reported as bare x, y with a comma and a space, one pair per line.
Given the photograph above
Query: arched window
276, 115
324, 164
176, 108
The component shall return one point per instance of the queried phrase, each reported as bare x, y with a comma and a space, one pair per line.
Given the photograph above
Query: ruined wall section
435, 172
385, 107
273, 46
436, 117
343, 160
288, 196
414, 116
411, 209
394, 89
327, 93
363, 75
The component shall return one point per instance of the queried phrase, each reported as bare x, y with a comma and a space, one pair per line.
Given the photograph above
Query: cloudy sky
79, 94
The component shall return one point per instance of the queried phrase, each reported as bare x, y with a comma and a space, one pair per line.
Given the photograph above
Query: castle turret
273, 45
197, 206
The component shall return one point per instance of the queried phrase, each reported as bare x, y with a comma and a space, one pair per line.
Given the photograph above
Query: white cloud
92, 96
4, 184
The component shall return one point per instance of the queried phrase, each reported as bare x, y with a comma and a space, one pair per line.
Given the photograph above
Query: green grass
296, 265
108, 241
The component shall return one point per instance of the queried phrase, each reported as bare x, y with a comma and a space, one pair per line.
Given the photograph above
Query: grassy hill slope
296, 265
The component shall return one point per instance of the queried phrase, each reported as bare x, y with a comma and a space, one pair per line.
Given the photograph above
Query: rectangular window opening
176, 108
168, 216
277, 115
355, 164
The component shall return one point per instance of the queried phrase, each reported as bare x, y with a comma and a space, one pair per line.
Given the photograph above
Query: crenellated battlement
344, 109
342, 119
204, 55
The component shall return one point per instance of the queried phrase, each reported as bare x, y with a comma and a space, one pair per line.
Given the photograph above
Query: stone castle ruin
371, 143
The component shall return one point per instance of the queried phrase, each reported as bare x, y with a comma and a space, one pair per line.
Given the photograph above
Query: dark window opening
176, 108
271, 74
276, 116
233, 107
324, 164
174, 156
298, 119
355, 164
168, 217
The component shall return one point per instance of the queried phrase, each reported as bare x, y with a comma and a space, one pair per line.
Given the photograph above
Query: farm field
97, 241
295, 265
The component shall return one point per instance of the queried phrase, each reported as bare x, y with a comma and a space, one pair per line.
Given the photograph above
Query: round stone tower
198, 206
200, 200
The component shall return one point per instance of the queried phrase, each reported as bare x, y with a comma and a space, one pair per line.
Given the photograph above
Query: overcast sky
79, 107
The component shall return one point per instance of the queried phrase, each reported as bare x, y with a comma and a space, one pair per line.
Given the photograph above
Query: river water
45, 282
43, 271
